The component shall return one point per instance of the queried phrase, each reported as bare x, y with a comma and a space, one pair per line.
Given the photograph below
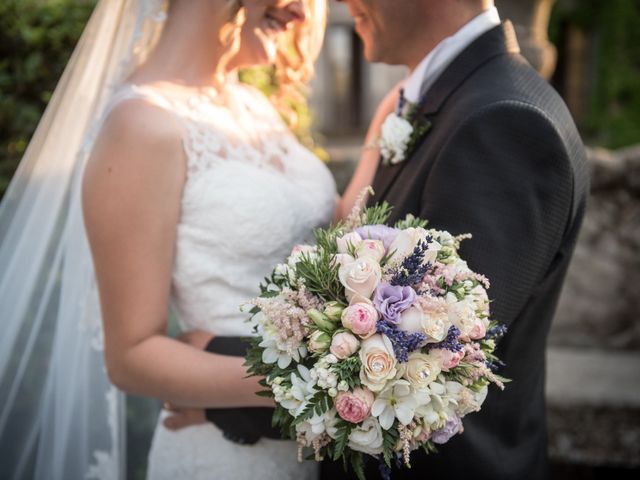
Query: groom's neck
434, 27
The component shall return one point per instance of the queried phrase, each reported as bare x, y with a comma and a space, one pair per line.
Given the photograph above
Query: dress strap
130, 91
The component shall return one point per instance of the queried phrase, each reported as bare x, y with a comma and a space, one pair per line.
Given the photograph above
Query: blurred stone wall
600, 304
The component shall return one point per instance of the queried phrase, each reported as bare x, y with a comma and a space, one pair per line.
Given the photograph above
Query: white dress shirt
436, 61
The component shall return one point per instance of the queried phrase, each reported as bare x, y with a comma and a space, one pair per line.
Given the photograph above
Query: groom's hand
182, 417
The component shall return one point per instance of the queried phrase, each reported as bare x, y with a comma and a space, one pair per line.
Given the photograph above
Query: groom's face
384, 27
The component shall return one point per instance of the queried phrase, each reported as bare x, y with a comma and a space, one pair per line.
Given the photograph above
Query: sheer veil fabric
59, 416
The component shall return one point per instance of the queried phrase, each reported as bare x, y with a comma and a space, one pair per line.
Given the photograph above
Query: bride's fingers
182, 418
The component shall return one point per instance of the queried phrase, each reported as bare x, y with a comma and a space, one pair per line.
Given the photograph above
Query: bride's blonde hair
297, 51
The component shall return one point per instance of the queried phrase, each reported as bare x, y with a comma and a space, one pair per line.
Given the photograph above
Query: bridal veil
59, 416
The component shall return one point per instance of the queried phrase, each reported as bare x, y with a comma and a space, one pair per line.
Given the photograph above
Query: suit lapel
497, 41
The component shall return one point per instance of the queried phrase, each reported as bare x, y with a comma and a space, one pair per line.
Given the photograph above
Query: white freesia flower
397, 400
312, 428
367, 437
302, 389
395, 136
331, 420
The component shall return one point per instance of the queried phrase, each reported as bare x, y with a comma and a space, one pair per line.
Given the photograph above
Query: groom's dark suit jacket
503, 161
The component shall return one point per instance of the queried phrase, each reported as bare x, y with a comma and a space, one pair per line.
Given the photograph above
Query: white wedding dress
252, 192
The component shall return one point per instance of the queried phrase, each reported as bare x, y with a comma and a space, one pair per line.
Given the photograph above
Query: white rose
406, 242
342, 259
371, 248
435, 325
395, 135
360, 277
352, 239
462, 314
378, 362
421, 369
481, 298
367, 437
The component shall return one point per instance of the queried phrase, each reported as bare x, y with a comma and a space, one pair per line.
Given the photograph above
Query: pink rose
348, 241
361, 319
449, 359
478, 331
344, 344
354, 406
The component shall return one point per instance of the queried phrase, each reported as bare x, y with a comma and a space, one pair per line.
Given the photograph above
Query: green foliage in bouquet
305, 300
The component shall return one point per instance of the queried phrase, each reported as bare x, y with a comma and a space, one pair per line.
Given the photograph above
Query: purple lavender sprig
412, 270
450, 343
495, 364
403, 342
495, 332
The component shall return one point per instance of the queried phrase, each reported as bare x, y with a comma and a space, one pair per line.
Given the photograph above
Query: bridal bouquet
376, 340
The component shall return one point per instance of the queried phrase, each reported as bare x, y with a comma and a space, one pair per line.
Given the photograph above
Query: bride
192, 188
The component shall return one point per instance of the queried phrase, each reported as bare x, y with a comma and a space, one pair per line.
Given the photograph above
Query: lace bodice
252, 192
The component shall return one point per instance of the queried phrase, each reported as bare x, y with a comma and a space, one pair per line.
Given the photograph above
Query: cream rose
435, 325
367, 437
360, 277
421, 369
378, 362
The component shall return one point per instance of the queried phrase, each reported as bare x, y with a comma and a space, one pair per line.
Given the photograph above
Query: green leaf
377, 214
317, 405
357, 462
389, 440
342, 438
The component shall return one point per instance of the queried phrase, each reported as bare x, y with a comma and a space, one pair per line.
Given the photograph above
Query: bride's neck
189, 49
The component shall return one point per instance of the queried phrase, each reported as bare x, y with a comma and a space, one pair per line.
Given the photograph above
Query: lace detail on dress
251, 193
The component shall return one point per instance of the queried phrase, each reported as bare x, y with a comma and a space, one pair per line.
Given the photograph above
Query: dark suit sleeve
503, 176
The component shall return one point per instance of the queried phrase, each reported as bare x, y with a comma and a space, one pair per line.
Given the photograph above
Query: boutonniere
399, 135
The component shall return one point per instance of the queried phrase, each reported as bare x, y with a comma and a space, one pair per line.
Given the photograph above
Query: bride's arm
370, 157
131, 199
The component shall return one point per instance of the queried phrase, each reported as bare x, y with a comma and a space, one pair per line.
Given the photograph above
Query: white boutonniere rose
396, 133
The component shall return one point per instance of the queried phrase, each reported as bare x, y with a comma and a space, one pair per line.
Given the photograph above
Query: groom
497, 155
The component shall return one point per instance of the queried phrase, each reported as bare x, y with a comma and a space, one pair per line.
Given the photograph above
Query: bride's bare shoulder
138, 151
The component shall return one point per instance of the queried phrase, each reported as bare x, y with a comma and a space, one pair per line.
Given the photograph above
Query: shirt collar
434, 63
